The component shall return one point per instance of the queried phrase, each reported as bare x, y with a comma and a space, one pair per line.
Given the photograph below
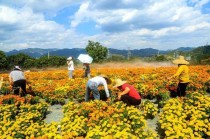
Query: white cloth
71, 65
17, 75
101, 81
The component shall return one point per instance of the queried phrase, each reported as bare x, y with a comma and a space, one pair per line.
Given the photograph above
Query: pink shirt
133, 92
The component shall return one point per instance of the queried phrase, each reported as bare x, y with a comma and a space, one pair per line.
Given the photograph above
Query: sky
120, 24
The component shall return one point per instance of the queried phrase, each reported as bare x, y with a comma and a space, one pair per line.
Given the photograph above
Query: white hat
17, 67
69, 58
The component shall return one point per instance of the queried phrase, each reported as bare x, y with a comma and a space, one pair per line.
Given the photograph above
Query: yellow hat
109, 81
180, 60
119, 82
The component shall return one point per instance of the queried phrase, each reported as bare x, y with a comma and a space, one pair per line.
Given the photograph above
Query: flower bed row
95, 119
55, 87
180, 118
187, 118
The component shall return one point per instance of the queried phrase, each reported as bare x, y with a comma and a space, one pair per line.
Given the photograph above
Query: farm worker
17, 80
92, 86
128, 94
70, 64
86, 67
183, 75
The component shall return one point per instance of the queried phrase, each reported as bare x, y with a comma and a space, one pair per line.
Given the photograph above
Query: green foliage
29, 63
116, 57
160, 58
50, 62
3, 60
201, 55
18, 59
25, 61
96, 51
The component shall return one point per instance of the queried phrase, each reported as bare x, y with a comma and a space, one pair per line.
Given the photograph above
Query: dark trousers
130, 100
87, 74
181, 89
20, 84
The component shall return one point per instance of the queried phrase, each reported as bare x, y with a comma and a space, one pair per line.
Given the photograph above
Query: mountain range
38, 52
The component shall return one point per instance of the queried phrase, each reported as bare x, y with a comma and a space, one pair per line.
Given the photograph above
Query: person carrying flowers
183, 75
128, 94
92, 86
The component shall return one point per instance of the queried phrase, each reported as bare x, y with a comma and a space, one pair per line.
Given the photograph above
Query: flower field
182, 118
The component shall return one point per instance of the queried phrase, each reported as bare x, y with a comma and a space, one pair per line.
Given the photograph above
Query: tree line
94, 49
25, 61
99, 53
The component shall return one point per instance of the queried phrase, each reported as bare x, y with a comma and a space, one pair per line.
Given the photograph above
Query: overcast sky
122, 24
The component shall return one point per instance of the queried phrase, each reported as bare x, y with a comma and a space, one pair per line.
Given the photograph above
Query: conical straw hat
118, 82
180, 60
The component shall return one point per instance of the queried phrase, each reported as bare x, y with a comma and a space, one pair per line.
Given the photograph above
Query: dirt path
55, 114
134, 64
152, 123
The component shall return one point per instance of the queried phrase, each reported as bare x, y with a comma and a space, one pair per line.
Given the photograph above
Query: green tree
42, 62
52, 61
3, 60
96, 51
18, 59
29, 63
57, 61
160, 58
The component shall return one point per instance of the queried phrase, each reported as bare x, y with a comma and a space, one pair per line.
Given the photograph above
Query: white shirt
71, 65
17, 75
101, 81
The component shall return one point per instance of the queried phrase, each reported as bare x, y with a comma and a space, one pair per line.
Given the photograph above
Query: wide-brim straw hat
118, 82
108, 80
180, 60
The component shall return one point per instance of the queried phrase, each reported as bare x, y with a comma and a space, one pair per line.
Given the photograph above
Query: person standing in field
17, 80
182, 74
92, 86
86, 67
70, 64
128, 94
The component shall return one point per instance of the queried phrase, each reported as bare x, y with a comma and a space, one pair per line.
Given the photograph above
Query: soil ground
133, 64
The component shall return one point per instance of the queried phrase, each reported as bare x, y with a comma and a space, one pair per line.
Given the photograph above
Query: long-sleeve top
183, 74
101, 81
70, 65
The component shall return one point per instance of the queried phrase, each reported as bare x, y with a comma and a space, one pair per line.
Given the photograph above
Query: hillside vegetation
199, 55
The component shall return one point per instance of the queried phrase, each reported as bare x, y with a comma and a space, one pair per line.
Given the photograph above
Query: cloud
122, 24
23, 28
156, 15
198, 3
46, 7
81, 14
